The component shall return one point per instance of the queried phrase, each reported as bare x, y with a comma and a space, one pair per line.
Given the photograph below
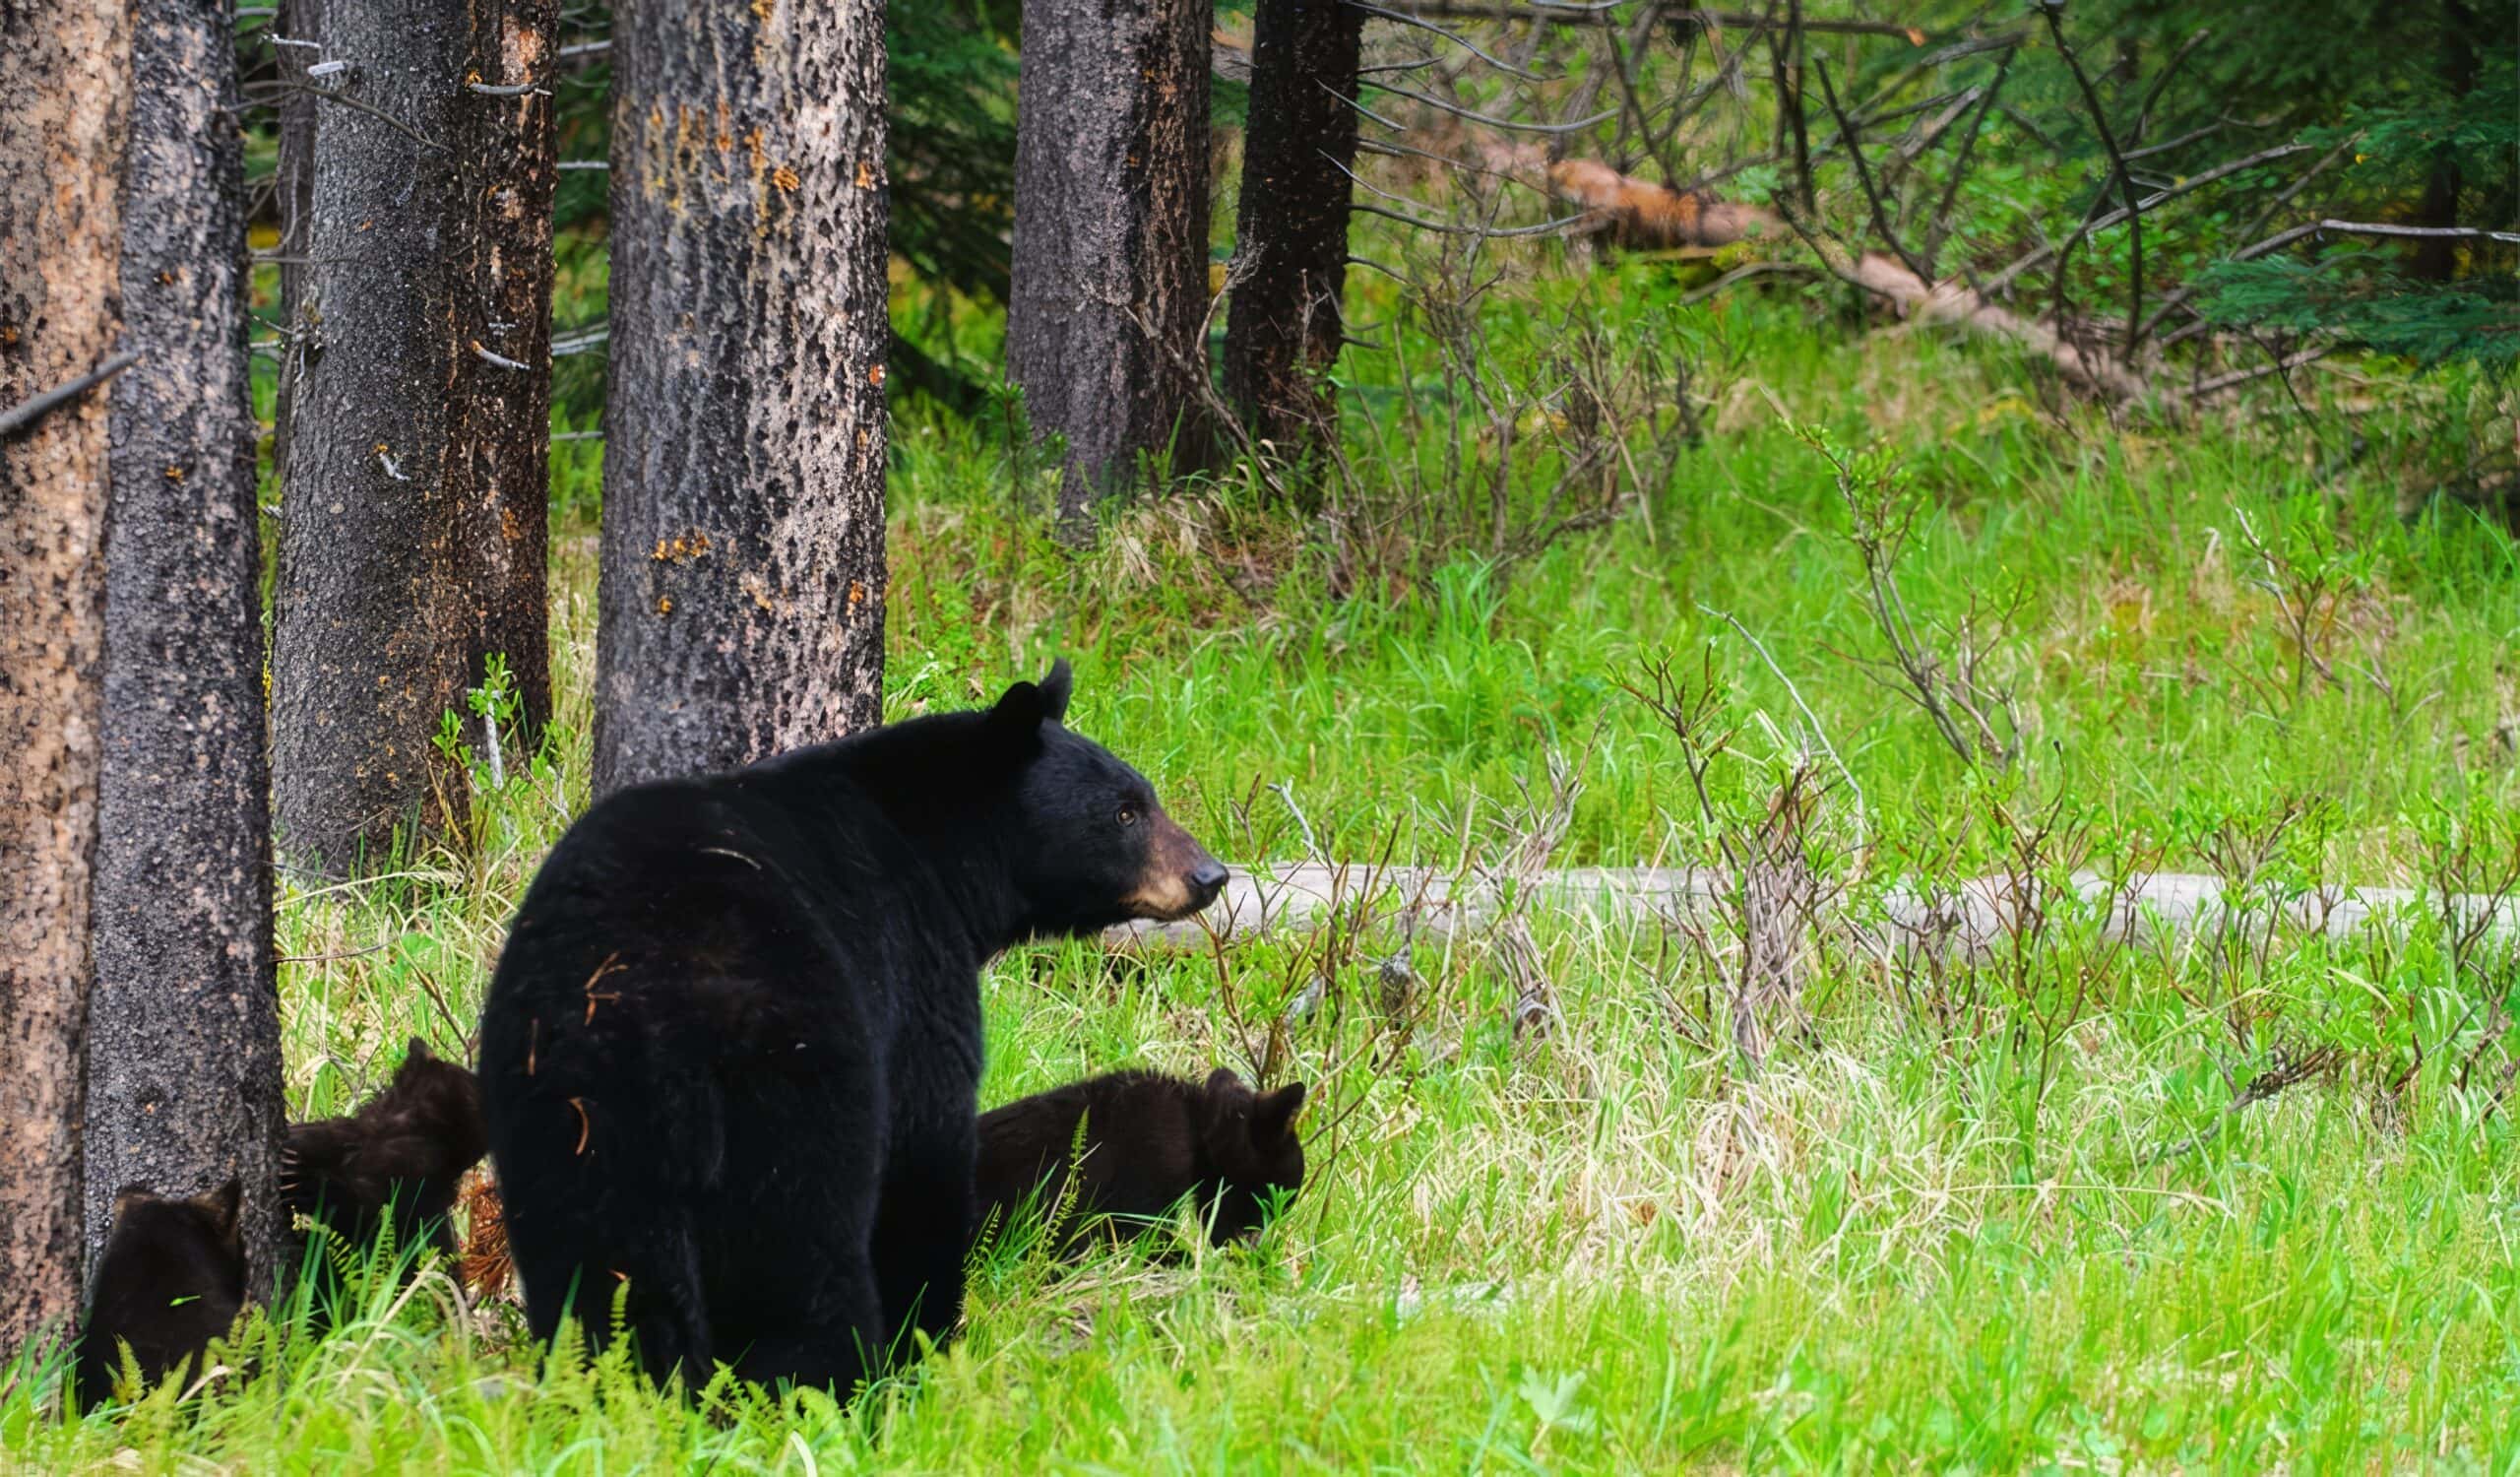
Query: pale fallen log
1950, 301
1968, 918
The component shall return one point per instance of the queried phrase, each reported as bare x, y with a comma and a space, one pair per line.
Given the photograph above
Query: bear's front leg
654, 1270
835, 1347
924, 1231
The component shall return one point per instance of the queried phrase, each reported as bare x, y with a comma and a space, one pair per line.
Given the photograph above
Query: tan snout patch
1163, 890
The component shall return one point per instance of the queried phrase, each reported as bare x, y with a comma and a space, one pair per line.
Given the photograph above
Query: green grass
1611, 1246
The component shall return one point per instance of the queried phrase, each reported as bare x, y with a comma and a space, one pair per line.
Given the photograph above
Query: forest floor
2244, 1204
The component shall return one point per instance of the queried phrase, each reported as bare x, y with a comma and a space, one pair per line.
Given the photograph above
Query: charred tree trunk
500, 414
65, 69
293, 187
742, 589
183, 1023
1110, 274
1282, 331
369, 646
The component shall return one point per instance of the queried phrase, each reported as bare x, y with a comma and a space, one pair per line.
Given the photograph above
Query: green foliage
2477, 131
1915, 1239
2408, 113
2353, 295
952, 144
2022, 1214
2293, 61
2359, 293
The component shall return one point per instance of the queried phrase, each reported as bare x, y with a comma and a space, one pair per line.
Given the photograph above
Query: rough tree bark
499, 413
1282, 330
301, 22
369, 645
64, 69
183, 1023
1110, 267
742, 588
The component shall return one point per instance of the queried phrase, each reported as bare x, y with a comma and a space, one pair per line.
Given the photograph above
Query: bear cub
399, 1157
731, 1051
172, 1278
1148, 1141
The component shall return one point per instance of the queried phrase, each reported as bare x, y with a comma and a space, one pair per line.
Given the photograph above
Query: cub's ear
417, 1050
130, 1198
222, 1204
1055, 688
1275, 1117
1223, 1085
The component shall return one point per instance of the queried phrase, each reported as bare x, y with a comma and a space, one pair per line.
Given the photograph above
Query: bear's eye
1128, 816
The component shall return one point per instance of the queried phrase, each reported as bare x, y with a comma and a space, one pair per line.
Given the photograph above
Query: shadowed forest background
1729, 554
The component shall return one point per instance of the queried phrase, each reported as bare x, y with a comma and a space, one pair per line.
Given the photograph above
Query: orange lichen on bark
680, 548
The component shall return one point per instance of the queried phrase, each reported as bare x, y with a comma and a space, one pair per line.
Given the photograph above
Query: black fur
172, 1278
731, 1051
1149, 1140
400, 1157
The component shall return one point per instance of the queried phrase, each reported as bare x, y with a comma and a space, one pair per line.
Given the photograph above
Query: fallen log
1970, 918
1949, 301
1642, 216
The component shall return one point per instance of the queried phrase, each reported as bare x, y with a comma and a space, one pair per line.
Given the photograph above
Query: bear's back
733, 887
1140, 1147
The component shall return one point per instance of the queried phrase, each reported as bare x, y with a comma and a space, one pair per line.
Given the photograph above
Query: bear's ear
1056, 689
417, 1050
221, 1205
130, 1198
1275, 1117
1016, 718
1225, 1086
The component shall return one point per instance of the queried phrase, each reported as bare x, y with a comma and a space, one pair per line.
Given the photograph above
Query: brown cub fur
406, 1148
172, 1278
1149, 1140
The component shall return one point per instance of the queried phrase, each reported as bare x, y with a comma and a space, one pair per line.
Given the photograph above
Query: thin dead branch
1512, 125
1863, 175
28, 410
2123, 176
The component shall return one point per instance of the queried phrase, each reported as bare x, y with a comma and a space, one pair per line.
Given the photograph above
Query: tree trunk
183, 1024
742, 590
370, 642
1290, 238
2438, 259
1110, 274
300, 22
64, 67
500, 414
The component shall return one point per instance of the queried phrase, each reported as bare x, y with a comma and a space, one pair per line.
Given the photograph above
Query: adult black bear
731, 1052
404, 1150
172, 1280
1148, 1141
